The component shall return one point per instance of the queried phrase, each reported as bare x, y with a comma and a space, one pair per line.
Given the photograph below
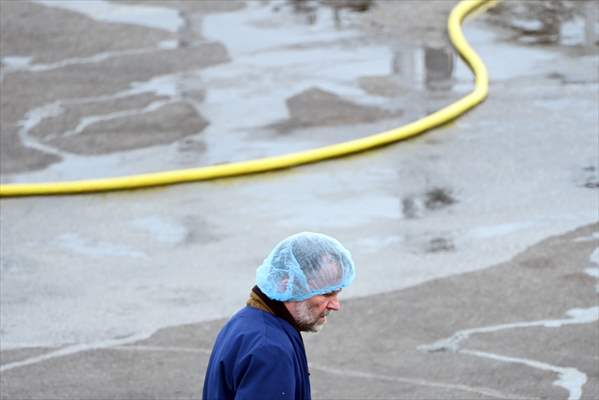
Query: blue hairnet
304, 265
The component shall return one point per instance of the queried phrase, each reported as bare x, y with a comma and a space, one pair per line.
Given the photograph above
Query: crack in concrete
416, 381
78, 348
121, 345
570, 379
577, 316
99, 57
163, 349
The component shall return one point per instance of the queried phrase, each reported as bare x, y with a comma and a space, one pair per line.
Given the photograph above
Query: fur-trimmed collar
262, 302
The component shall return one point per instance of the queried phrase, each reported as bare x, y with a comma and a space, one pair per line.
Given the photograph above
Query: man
259, 353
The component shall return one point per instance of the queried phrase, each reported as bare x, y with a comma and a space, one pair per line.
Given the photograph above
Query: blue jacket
257, 355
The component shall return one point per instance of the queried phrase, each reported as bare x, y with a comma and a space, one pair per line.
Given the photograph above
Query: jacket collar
262, 302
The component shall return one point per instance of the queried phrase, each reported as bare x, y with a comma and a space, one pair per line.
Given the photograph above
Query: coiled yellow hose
437, 118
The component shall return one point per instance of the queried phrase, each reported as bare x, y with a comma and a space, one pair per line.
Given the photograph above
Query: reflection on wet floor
569, 23
279, 60
278, 55
288, 63
309, 8
427, 66
430, 67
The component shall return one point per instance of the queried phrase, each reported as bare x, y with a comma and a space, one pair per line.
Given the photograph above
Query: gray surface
119, 295
379, 358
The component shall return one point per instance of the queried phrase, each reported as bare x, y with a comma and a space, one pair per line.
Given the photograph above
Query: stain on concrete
318, 107
540, 263
191, 147
411, 207
436, 198
580, 277
166, 125
440, 245
591, 179
198, 231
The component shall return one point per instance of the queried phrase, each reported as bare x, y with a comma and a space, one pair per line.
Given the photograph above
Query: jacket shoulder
266, 328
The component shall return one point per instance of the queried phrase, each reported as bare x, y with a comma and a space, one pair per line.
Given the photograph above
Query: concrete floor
476, 243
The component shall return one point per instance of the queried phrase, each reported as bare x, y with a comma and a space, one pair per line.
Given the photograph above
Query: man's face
311, 314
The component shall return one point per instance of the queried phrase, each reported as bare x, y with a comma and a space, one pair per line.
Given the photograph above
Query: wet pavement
476, 243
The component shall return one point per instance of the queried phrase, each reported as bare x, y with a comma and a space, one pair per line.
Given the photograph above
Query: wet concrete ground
533, 335
483, 227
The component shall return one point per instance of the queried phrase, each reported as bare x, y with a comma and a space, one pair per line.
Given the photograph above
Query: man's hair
304, 265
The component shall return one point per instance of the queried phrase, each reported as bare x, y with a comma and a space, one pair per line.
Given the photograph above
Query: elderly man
259, 353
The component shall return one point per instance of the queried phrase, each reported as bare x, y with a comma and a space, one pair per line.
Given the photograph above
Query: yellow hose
290, 160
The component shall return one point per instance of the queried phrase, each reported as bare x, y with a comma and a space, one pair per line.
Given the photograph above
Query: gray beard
305, 320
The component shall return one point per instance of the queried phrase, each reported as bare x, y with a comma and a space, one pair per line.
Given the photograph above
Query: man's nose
334, 303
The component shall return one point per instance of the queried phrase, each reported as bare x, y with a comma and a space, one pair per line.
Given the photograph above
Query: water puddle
16, 62
504, 60
274, 58
277, 58
75, 166
79, 245
276, 55
594, 272
486, 232
163, 230
280, 52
